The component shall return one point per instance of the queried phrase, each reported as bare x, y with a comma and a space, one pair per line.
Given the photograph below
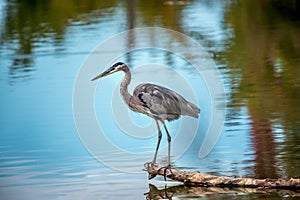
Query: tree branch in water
207, 180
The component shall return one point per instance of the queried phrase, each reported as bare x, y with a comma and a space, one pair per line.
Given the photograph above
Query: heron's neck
124, 87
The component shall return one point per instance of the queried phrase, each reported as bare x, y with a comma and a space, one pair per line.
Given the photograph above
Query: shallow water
254, 45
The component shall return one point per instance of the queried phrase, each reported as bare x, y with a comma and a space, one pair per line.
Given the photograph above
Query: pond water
254, 45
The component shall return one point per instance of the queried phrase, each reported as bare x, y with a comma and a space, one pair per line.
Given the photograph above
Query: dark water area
255, 45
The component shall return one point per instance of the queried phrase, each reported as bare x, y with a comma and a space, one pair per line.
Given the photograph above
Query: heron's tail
190, 109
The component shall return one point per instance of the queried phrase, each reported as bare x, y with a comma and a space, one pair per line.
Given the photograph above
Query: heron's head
119, 66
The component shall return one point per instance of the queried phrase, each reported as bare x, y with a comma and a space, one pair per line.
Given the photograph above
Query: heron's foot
168, 167
150, 165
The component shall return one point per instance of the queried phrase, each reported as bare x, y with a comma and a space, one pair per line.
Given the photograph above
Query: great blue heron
157, 102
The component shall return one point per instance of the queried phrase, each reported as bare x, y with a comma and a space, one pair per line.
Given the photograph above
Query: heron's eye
116, 67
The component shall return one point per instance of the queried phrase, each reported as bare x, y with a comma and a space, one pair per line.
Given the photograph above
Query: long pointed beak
107, 72
97, 77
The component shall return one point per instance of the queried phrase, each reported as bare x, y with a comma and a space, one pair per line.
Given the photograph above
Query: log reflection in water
194, 192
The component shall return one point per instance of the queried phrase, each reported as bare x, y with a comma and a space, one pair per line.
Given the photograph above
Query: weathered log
207, 180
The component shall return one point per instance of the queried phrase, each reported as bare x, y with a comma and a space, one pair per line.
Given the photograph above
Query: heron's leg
169, 152
169, 144
158, 142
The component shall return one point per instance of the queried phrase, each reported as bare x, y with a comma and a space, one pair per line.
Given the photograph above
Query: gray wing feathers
164, 103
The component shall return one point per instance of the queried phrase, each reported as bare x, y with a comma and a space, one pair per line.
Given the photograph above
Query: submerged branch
207, 180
